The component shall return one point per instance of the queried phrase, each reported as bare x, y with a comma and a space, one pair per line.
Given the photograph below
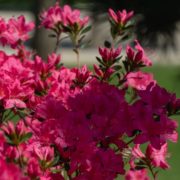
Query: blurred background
158, 30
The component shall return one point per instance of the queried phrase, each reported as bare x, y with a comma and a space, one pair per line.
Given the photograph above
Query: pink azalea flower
139, 80
52, 17
158, 156
103, 75
44, 153
156, 131
33, 168
11, 103
136, 152
138, 57
83, 76
10, 171
160, 100
121, 17
56, 17
137, 175
16, 31
109, 55
72, 17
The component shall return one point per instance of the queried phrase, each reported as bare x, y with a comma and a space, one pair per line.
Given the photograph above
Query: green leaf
55, 161
26, 137
99, 60
76, 51
81, 38
117, 67
126, 66
52, 35
107, 44
85, 44
8, 140
86, 29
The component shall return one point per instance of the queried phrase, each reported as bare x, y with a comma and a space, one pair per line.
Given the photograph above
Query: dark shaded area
158, 16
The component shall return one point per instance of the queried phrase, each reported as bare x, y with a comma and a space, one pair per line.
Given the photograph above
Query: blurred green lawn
169, 77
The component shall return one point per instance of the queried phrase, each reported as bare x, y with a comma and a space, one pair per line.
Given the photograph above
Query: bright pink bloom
52, 17
137, 175
138, 57
121, 17
33, 168
16, 133
44, 153
16, 31
72, 17
10, 103
8, 128
136, 152
101, 74
109, 55
10, 171
158, 156
139, 80
83, 76
56, 17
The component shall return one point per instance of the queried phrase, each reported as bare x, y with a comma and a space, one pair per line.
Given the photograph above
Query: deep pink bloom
109, 55
157, 156
156, 130
101, 74
121, 17
160, 100
83, 75
139, 56
33, 168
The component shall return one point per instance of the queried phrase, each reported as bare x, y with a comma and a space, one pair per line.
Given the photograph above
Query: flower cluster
15, 31
73, 123
120, 22
64, 19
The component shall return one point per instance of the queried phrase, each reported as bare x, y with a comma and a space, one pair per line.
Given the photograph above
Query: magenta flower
138, 57
109, 55
83, 76
120, 23
121, 17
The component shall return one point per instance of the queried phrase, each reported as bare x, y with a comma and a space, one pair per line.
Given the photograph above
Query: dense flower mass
72, 123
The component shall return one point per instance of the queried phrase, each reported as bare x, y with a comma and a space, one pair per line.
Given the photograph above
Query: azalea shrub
57, 123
